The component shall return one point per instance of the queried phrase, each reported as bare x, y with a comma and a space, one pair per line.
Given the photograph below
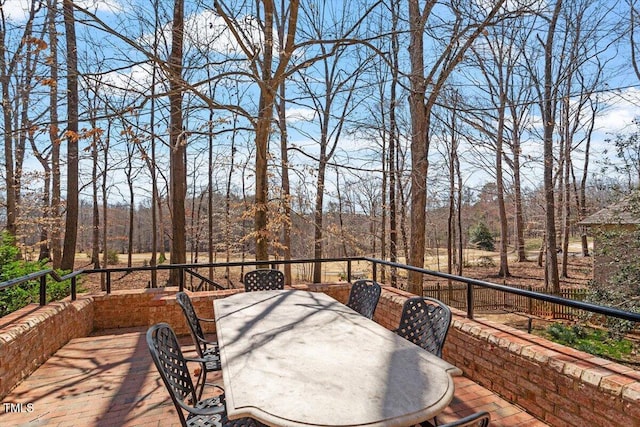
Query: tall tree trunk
517, 184
393, 156
132, 209
286, 185
284, 156
419, 145
566, 189
551, 258
582, 194
95, 229
262, 185
318, 216
504, 229
210, 196
56, 249
227, 221
451, 222
459, 217
177, 142
8, 137
155, 198
263, 127
71, 219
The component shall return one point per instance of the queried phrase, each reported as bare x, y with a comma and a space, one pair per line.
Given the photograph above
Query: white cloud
621, 108
300, 114
16, 10
137, 79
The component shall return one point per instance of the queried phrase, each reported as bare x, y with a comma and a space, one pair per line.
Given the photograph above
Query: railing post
108, 282
375, 271
349, 271
181, 279
73, 288
469, 300
43, 290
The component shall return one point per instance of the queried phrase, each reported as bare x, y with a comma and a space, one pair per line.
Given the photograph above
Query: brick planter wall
29, 336
559, 385
126, 309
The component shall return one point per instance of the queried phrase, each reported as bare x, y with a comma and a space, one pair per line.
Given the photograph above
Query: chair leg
200, 382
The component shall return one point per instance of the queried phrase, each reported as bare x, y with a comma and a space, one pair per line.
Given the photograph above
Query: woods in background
312, 129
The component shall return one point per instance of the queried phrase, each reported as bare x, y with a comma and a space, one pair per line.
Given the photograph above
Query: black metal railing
41, 276
581, 305
190, 269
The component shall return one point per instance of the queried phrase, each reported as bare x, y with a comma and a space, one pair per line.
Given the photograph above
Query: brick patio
108, 379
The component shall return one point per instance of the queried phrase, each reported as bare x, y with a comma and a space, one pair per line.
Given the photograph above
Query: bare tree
10, 57
261, 65
72, 136
466, 28
178, 144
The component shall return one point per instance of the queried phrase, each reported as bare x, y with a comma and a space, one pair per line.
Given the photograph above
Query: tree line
282, 128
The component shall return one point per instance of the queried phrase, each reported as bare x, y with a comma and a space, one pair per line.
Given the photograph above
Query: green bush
481, 236
12, 267
112, 257
592, 341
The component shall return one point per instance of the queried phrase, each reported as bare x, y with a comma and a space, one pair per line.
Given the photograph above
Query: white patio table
298, 358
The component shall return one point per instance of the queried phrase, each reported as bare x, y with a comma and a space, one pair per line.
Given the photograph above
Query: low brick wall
559, 385
166, 309
126, 309
145, 307
29, 336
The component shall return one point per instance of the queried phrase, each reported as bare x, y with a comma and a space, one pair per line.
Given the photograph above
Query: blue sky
620, 99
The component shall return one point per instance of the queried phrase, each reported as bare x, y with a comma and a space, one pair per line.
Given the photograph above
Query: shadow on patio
108, 379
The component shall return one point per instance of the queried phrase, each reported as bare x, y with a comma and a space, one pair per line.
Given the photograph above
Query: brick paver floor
109, 380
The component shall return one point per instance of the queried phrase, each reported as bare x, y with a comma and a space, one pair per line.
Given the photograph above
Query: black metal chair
263, 280
172, 366
208, 351
479, 419
425, 322
364, 296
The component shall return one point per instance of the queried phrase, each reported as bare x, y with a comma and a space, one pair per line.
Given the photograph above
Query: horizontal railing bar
220, 264
24, 279
604, 310
608, 311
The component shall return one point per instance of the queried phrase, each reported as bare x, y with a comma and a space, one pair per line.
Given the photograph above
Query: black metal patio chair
263, 280
208, 351
479, 419
425, 322
172, 366
364, 296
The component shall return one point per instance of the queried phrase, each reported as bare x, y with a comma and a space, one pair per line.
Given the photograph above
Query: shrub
481, 236
591, 341
112, 257
12, 267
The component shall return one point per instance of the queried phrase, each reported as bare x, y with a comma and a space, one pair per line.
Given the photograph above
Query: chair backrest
192, 320
263, 280
364, 296
479, 419
167, 356
425, 322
